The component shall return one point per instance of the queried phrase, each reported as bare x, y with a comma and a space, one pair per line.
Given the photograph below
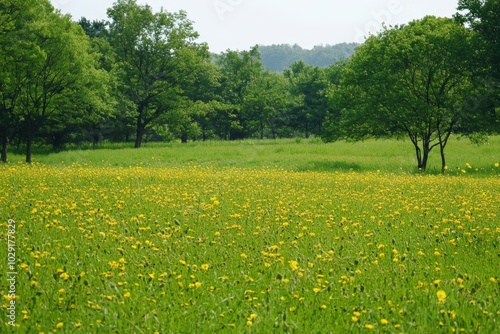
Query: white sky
240, 24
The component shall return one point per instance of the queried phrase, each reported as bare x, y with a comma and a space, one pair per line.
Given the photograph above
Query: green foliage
157, 58
52, 74
410, 80
309, 85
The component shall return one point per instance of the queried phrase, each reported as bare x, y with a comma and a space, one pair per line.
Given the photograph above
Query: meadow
252, 237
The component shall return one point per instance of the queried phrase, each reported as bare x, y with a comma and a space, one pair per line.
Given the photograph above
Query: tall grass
396, 156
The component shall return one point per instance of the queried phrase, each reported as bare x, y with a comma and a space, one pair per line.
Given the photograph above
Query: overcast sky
240, 24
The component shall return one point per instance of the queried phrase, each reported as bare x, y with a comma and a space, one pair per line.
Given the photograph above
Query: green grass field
252, 237
291, 154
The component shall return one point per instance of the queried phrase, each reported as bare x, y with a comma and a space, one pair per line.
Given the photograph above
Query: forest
142, 76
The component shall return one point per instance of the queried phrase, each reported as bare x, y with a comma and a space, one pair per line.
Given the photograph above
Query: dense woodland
142, 76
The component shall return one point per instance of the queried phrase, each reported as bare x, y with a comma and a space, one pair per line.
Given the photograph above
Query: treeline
142, 76
278, 58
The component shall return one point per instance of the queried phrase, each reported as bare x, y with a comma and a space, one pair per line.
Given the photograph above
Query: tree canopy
142, 75
409, 80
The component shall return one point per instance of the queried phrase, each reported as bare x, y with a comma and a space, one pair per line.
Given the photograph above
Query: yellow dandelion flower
294, 265
243, 256
384, 322
205, 266
126, 294
59, 325
354, 319
497, 164
323, 307
369, 327
441, 295
64, 276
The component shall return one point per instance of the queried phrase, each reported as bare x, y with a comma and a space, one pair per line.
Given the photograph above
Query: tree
156, 54
412, 79
15, 49
482, 17
59, 75
238, 70
266, 99
309, 86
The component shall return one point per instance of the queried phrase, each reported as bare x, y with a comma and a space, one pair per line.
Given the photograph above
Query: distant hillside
276, 58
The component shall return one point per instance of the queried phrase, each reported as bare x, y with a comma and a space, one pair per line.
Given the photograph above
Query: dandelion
369, 327
497, 165
323, 307
441, 295
59, 325
205, 266
294, 265
384, 322
64, 276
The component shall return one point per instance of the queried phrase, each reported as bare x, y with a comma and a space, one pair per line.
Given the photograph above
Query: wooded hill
278, 57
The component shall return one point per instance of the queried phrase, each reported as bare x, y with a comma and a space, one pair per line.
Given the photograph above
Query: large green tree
16, 20
48, 71
483, 17
59, 75
408, 80
309, 86
238, 70
157, 56
265, 102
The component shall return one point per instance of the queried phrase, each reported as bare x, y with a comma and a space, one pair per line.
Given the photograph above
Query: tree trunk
418, 153
443, 159
5, 147
184, 138
29, 142
140, 127
425, 158
139, 137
